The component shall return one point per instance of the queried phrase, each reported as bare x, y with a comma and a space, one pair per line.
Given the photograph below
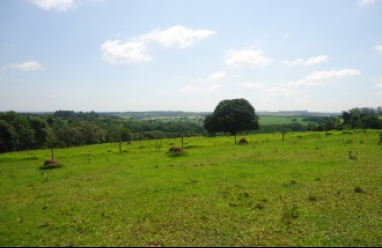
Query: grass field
309, 190
263, 119
269, 119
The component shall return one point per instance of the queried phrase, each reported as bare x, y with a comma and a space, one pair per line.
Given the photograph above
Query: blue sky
112, 55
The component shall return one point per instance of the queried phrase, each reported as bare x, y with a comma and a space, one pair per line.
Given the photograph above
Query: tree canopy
232, 116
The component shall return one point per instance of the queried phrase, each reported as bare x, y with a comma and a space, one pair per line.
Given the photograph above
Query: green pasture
278, 119
312, 189
188, 118
263, 119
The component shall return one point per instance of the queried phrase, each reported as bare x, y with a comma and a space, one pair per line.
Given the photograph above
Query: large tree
232, 116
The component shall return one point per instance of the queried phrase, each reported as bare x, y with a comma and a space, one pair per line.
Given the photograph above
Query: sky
130, 55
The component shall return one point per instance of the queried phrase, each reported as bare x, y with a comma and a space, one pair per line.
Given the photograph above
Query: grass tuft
359, 190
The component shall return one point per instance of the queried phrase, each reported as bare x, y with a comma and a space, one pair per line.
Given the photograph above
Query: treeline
355, 118
66, 129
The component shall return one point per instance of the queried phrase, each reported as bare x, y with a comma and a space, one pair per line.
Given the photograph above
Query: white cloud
246, 58
189, 88
134, 50
27, 66
179, 36
252, 85
379, 48
214, 77
294, 62
3, 69
60, 5
321, 77
315, 60
217, 76
129, 52
310, 61
378, 86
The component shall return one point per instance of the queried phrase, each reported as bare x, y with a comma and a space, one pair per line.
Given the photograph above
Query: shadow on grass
50, 166
177, 154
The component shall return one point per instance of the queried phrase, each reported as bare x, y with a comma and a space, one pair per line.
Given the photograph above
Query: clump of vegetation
290, 183
289, 215
259, 206
359, 190
352, 155
312, 198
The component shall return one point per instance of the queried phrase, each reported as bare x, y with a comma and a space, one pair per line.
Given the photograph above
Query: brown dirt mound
51, 161
243, 141
176, 149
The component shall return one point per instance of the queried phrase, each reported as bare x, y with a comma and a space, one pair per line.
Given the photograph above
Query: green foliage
8, 137
232, 116
67, 128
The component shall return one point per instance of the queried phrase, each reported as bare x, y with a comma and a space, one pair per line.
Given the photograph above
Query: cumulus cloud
252, 85
117, 52
27, 66
214, 77
135, 49
378, 86
246, 58
379, 48
60, 5
178, 36
315, 60
310, 61
321, 77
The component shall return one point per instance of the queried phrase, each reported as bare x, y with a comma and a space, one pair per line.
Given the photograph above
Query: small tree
232, 116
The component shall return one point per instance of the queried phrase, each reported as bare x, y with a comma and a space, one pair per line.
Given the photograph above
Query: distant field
267, 120
309, 190
263, 119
